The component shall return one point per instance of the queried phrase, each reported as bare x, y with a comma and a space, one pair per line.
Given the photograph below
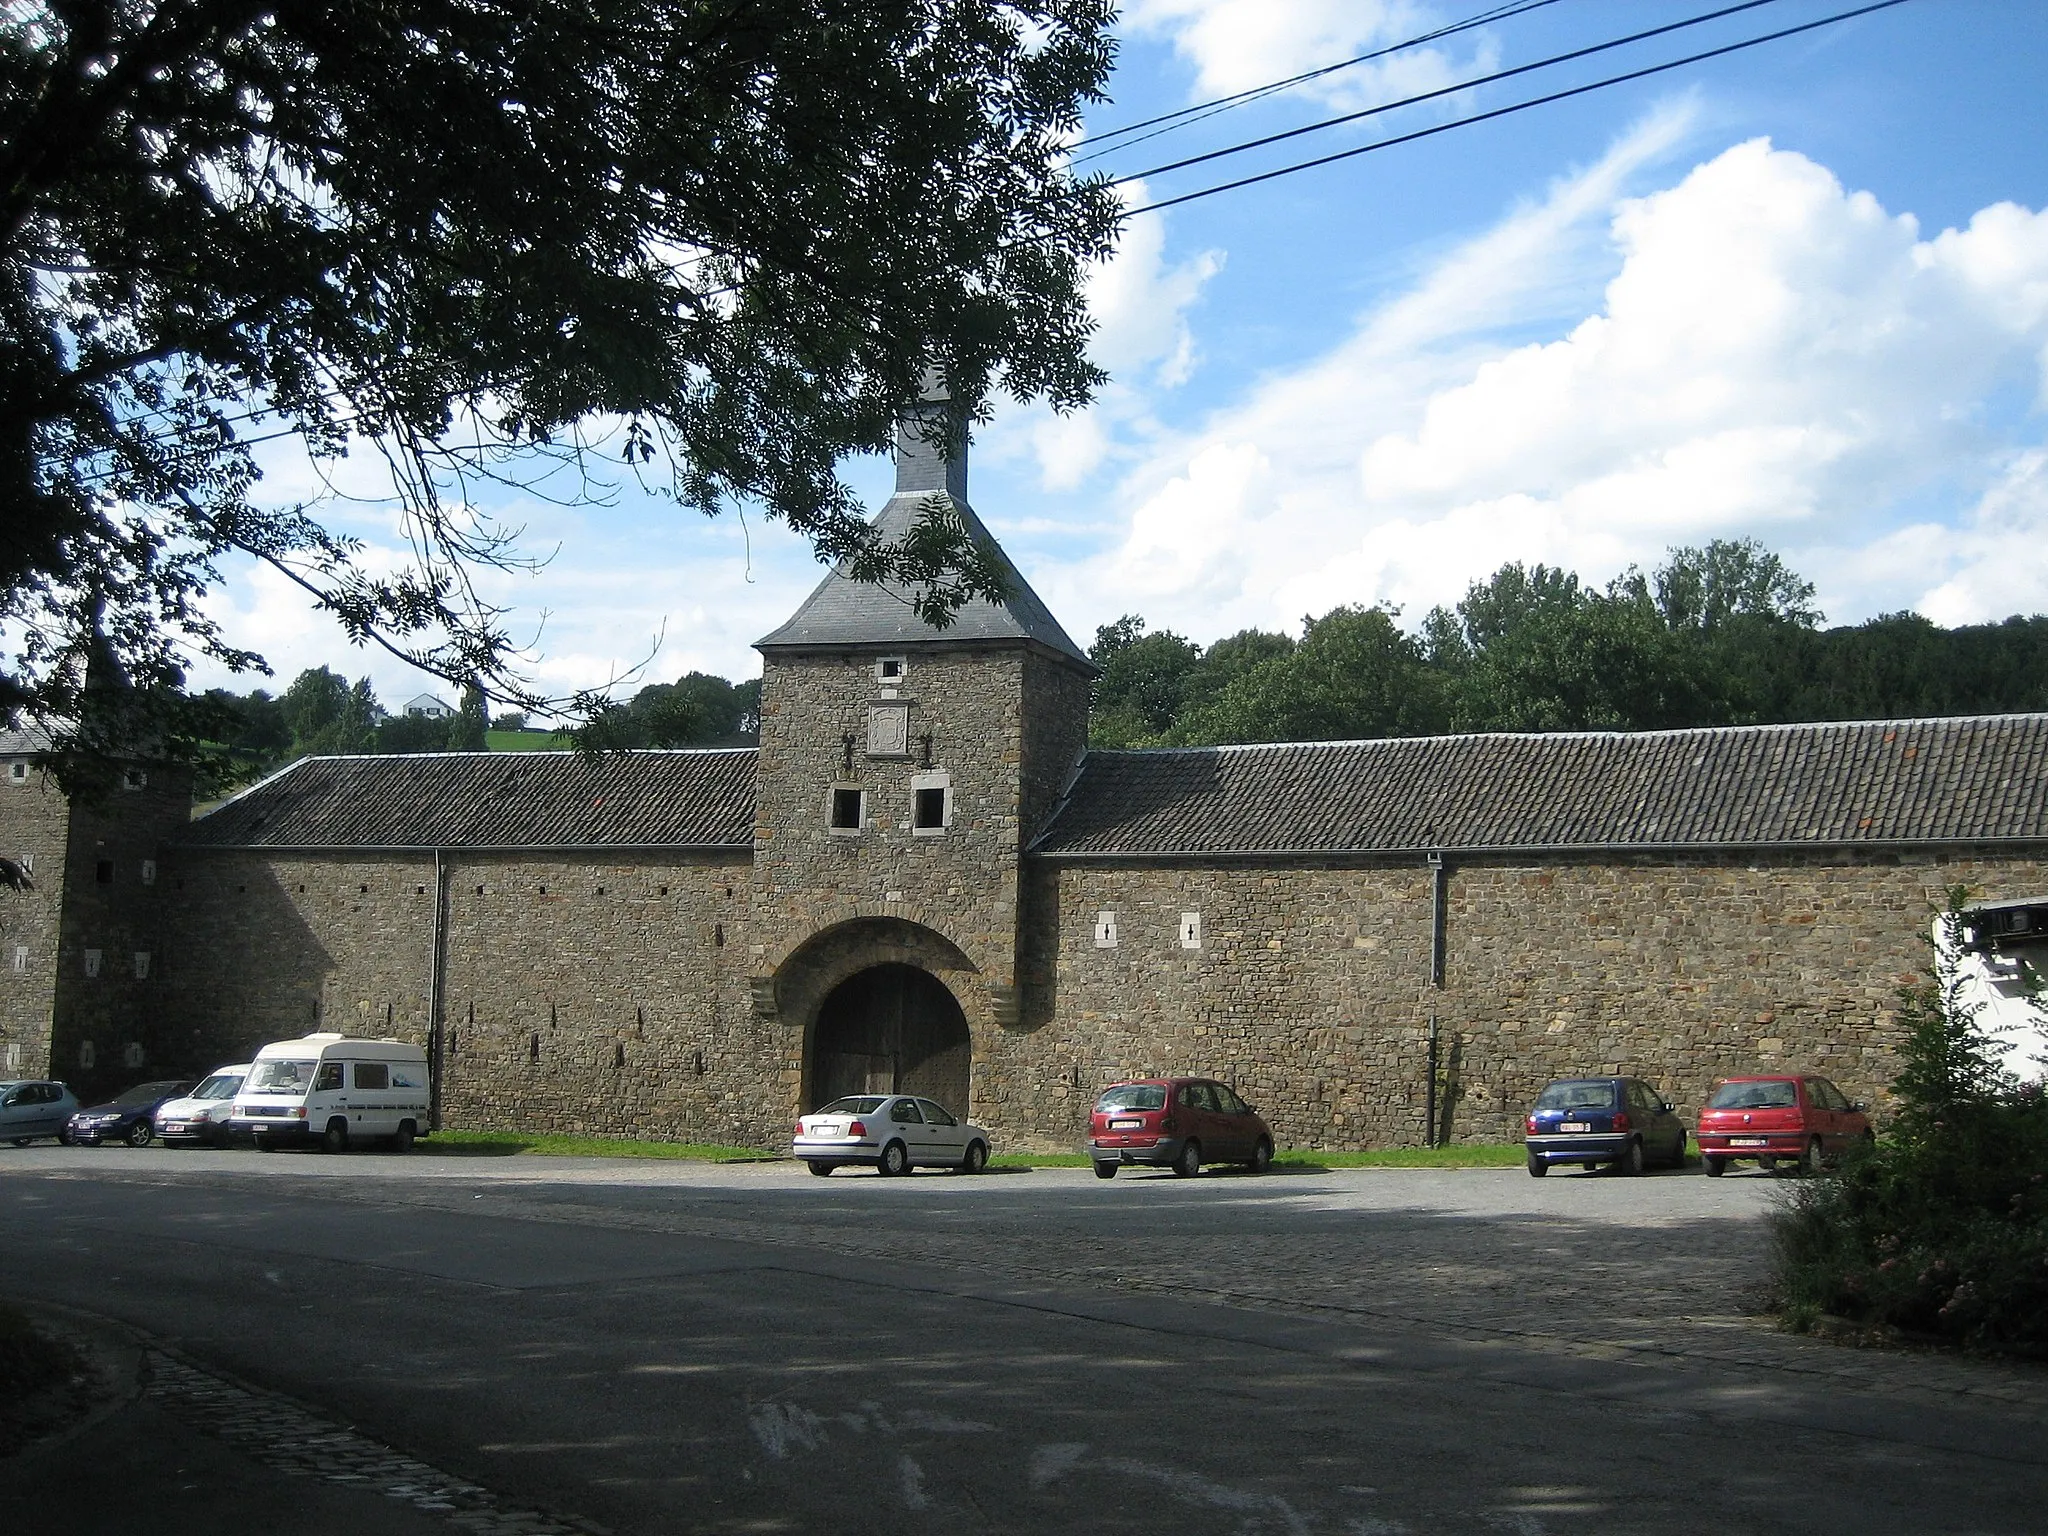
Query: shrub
1941, 1228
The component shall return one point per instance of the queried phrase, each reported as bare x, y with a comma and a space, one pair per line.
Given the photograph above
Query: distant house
426, 704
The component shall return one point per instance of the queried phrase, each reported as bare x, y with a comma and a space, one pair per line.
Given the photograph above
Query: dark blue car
1595, 1120
129, 1118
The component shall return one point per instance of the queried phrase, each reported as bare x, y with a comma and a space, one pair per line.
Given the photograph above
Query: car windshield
1597, 1093
281, 1076
1778, 1095
148, 1093
221, 1085
1132, 1096
855, 1106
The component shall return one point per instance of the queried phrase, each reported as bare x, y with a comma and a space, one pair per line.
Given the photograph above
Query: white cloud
1237, 45
1772, 355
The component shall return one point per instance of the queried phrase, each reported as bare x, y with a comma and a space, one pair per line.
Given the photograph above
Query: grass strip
511, 1144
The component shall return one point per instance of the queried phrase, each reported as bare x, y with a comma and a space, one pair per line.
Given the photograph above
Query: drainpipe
1438, 882
436, 991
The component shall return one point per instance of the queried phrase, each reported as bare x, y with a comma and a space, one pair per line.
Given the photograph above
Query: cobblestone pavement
295, 1440
1670, 1269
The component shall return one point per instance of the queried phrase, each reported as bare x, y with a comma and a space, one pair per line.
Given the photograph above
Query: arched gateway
891, 1028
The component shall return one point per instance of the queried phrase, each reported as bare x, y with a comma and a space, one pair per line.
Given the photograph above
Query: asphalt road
667, 1348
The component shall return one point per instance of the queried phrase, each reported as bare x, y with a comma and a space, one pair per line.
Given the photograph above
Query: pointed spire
931, 444
931, 460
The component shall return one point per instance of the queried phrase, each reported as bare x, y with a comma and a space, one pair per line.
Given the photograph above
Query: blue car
1595, 1120
129, 1118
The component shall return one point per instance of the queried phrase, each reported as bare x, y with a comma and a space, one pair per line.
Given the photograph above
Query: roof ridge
1761, 728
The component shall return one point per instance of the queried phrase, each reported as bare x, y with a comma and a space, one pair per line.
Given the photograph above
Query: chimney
931, 445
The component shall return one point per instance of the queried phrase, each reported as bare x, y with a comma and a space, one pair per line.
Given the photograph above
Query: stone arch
891, 1028
882, 987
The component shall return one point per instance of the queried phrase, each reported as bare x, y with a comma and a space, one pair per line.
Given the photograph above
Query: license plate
1125, 1125
1748, 1141
1574, 1125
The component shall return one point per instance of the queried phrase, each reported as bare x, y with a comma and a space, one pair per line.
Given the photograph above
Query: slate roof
842, 611
691, 799
1970, 779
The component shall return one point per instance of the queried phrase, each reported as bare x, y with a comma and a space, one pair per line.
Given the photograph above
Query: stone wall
603, 994
1312, 990
35, 822
108, 1028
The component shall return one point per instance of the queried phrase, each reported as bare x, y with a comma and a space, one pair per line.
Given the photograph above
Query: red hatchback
1178, 1123
1801, 1121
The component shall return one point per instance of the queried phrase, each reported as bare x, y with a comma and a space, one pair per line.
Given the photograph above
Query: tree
1354, 675
478, 238
1144, 682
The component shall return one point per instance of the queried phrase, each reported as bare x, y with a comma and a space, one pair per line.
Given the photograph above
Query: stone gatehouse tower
901, 774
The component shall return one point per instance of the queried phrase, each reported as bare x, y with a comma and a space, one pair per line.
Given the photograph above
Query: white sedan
892, 1132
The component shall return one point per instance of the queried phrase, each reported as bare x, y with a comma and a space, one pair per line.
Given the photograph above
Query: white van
335, 1091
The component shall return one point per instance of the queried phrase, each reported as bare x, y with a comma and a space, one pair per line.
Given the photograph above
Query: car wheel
1262, 1157
139, 1133
402, 1139
1189, 1163
819, 1167
66, 1139
1105, 1170
1714, 1166
335, 1137
1678, 1154
1814, 1164
1538, 1167
895, 1159
1767, 1165
976, 1157
1631, 1162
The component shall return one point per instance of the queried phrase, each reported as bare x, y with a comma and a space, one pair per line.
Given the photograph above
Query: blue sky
1799, 293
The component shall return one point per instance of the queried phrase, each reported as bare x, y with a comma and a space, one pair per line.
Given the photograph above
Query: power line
1520, 106
1187, 117
1447, 90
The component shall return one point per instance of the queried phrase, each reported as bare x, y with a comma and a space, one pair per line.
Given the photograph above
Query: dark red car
1800, 1121
1178, 1123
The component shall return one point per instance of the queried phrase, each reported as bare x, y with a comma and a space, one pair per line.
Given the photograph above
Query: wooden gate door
891, 1029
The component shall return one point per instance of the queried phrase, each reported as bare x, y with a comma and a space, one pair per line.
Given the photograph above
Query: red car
1177, 1123
1802, 1121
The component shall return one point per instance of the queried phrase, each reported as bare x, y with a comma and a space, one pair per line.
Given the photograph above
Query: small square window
18, 771
848, 809
92, 962
103, 872
134, 778
1105, 930
889, 669
931, 810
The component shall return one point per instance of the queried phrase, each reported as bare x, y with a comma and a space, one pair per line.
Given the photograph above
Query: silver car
893, 1133
32, 1109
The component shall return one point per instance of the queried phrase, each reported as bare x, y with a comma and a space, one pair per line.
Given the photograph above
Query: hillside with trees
1724, 635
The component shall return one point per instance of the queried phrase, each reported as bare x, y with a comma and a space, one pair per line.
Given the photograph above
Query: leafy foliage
1724, 635
472, 239
1942, 1228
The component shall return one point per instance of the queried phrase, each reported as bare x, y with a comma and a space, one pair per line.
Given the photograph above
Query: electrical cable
1447, 90
1187, 117
1520, 106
